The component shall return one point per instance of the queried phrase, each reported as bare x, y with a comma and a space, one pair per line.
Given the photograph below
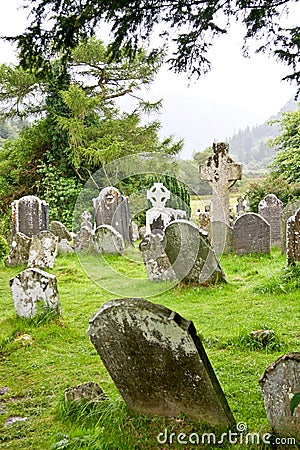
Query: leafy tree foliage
77, 127
59, 25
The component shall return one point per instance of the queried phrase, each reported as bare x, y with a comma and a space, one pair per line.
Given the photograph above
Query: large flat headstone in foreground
158, 362
279, 384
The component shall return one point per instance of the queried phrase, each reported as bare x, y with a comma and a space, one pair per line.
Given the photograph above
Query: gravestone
19, 250
288, 211
293, 239
33, 291
221, 172
112, 208
270, 209
251, 234
158, 362
221, 236
158, 266
204, 219
190, 252
83, 241
43, 250
159, 216
240, 207
60, 230
108, 240
86, 218
30, 215
64, 247
278, 384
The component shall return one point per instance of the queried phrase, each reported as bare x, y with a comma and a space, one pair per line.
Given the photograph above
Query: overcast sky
236, 93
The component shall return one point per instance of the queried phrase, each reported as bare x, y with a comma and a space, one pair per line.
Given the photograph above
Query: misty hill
249, 146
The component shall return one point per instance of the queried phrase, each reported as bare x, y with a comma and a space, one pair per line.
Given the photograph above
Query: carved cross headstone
158, 195
221, 172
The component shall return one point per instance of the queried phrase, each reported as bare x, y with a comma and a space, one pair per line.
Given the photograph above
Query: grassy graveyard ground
57, 354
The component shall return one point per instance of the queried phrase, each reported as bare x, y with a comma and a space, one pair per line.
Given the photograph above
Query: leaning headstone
288, 211
30, 215
19, 250
108, 240
158, 362
158, 266
251, 234
190, 252
112, 208
279, 383
221, 236
221, 172
60, 230
33, 291
64, 247
270, 209
159, 216
43, 250
293, 239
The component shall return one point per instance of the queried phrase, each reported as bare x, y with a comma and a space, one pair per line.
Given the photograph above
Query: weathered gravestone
293, 239
158, 362
43, 250
221, 236
279, 383
251, 234
83, 241
159, 216
86, 218
221, 172
19, 250
60, 230
158, 266
190, 252
108, 240
33, 291
288, 211
30, 215
112, 208
270, 209
240, 207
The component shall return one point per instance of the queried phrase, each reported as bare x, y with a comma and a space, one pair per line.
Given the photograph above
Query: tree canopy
57, 26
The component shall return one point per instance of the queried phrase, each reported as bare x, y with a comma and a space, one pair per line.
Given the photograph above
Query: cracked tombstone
43, 250
288, 211
270, 209
158, 362
158, 266
19, 250
279, 383
251, 234
34, 290
111, 208
30, 215
191, 254
293, 239
221, 172
108, 240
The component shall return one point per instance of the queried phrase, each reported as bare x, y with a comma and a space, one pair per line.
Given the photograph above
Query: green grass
260, 294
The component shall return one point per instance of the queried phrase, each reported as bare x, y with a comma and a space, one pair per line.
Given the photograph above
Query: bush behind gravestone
4, 248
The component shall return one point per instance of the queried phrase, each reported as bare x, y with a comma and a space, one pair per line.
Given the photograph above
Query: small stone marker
270, 209
158, 266
240, 207
32, 290
108, 240
30, 215
85, 392
279, 383
221, 172
293, 239
158, 362
19, 250
288, 211
112, 208
191, 254
251, 234
60, 230
43, 250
